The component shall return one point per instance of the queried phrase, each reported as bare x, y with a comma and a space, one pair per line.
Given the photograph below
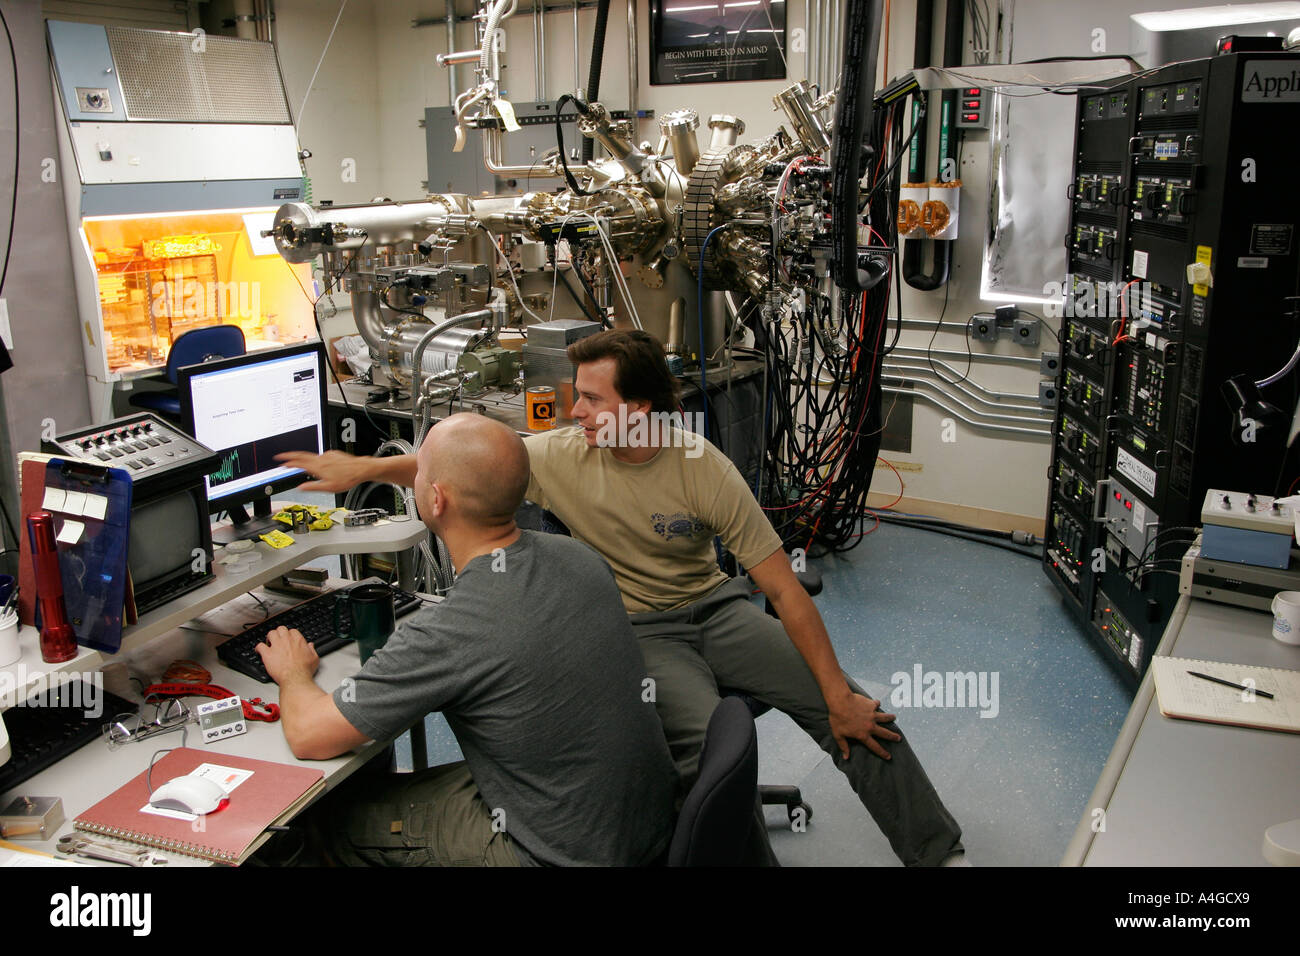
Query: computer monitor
249, 409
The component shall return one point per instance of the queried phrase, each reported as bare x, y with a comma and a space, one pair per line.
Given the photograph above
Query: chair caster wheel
801, 812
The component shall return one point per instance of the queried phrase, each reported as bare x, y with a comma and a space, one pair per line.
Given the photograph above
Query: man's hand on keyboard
286, 655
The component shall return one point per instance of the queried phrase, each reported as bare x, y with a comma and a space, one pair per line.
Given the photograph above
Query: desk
94, 771
387, 536
1188, 793
148, 647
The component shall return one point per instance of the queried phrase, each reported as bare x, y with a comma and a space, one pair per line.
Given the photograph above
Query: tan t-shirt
654, 523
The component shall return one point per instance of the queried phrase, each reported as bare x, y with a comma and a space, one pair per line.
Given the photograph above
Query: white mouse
189, 794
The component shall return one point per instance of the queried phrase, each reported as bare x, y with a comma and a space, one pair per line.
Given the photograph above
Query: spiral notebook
272, 794
1181, 695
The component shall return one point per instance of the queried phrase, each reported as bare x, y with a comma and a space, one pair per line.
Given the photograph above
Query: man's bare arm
338, 471
313, 725
852, 716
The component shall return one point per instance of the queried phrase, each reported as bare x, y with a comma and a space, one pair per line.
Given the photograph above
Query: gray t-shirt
532, 659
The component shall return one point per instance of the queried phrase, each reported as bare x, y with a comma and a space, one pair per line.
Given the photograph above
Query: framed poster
693, 41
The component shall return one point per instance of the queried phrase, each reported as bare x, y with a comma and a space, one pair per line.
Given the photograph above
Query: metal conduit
1010, 429
980, 392
918, 352
967, 407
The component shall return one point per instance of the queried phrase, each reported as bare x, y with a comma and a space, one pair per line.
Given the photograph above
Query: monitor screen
251, 408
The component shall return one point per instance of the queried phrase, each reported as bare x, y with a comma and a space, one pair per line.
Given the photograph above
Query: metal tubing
633, 65
577, 55
452, 87
539, 87
977, 356
994, 399
1009, 429
949, 396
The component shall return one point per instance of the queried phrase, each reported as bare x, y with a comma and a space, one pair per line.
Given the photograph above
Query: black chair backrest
714, 825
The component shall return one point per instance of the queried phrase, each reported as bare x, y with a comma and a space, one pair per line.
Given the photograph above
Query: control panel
1130, 522
143, 444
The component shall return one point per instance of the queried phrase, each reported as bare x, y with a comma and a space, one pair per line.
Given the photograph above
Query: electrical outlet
1025, 332
983, 328
1047, 393
1049, 364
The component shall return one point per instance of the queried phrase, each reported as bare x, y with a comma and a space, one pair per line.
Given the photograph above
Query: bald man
565, 763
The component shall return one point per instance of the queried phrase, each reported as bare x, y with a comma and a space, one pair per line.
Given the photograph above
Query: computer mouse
189, 794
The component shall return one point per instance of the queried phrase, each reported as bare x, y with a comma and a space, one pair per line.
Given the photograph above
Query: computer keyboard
41, 735
314, 618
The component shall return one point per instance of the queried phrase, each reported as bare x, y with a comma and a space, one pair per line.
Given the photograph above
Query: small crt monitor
248, 409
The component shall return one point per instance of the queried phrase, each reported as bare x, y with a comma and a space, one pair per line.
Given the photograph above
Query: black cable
1037, 555
582, 108
18, 132
593, 73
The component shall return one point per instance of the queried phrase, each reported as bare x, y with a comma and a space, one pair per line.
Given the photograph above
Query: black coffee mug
370, 610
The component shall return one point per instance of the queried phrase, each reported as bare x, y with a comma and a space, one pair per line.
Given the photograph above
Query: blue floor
1016, 781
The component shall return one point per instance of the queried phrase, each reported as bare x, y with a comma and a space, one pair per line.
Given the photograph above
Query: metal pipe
245, 20
452, 88
541, 33
911, 371
1009, 429
807, 41
366, 313
538, 85
948, 396
577, 62
417, 355
977, 356
492, 160
458, 57
633, 65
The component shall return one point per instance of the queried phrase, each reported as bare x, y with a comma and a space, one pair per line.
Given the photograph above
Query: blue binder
92, 557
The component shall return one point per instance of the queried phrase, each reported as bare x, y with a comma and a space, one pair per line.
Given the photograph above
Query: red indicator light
973, 91
971, 104
971, 117
1128, 505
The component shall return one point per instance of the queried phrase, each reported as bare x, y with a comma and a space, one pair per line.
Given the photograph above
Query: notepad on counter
1181, 695
270, 794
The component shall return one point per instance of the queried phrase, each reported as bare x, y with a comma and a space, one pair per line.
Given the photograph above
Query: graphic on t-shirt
681, 524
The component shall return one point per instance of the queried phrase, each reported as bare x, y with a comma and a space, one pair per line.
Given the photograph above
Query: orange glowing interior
162, 275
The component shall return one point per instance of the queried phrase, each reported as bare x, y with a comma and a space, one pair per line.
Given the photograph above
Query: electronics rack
1175, 167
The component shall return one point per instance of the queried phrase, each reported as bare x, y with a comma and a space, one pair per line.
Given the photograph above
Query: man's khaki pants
726, 641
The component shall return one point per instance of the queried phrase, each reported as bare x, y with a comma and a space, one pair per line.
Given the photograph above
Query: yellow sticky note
1202, 256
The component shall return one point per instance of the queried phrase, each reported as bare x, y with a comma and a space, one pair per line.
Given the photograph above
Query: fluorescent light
1225, 15
713, 6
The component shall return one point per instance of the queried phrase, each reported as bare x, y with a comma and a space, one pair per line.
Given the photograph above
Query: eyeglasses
169, 715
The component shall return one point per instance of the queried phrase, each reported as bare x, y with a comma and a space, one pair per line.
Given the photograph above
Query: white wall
341, 119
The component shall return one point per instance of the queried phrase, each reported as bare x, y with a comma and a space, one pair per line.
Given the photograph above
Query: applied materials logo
1270, 81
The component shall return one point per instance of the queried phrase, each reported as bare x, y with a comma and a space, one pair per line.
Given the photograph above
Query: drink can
540, 406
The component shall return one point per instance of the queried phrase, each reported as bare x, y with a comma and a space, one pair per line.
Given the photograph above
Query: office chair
190, 348
714, 824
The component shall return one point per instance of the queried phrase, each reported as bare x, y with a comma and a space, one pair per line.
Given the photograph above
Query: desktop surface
1197, 794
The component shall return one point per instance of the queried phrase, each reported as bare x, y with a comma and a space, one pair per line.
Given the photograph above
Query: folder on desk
1181, 695
92, 509
273, 794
